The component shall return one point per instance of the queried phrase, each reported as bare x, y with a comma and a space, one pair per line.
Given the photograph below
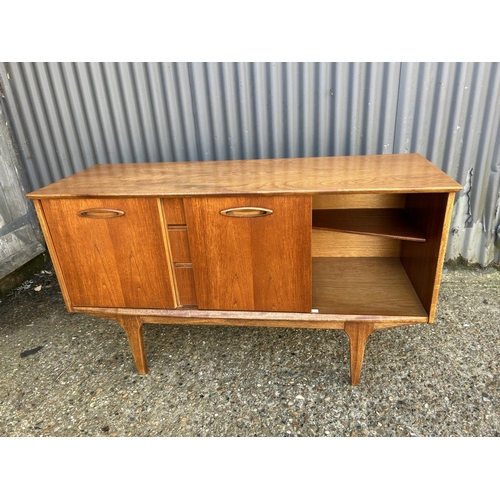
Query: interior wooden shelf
374, 286
385, 222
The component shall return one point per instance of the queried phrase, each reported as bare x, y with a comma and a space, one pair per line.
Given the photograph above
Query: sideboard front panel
111, 251
255, 262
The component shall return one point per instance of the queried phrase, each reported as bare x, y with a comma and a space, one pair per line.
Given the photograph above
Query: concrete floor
72, 375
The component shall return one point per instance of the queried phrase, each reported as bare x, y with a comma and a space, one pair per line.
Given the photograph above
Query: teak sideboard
354, 243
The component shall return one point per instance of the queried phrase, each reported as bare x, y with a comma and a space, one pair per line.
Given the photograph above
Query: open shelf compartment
384, 222
365, 286
379, 254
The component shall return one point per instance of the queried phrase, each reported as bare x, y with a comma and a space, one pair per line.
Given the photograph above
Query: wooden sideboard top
391, 173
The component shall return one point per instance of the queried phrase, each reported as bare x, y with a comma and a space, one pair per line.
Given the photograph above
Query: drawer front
251, 253
185, 285
179, 245
111, 252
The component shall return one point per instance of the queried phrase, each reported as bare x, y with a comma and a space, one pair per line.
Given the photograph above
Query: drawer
179, 244
174, 211
185, 285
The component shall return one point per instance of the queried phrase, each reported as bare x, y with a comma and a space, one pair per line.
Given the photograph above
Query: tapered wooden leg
358, 332
133, 328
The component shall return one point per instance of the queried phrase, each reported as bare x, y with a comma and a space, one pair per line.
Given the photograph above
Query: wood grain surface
336, 244
53, 254
185, 286
179, 244
424, 262
251, 264
358, 200
133, 328
249, 318
364, 286
358, 333
118, 262
174, 211
384, 222
396, 173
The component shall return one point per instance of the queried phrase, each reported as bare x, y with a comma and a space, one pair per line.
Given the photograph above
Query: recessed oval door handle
101, 213
246, 212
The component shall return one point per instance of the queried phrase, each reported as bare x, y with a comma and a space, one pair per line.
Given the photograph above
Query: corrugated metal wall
20, 239
450, 113
68, 116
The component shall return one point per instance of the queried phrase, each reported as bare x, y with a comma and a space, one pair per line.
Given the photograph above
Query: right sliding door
251, 253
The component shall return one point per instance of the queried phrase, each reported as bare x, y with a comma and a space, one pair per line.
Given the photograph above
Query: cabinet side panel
251, 263
111, 262
53, 254
423, 262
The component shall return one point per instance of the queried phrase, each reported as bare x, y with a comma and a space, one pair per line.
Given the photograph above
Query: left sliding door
111, 251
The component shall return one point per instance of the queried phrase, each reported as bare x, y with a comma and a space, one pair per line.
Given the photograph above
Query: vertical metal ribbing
133, 124
179, 111
229, 96
291, 119
61, 119
260, 100
276, 110
78, 107
68, 116
202, 111
245, 98
92, 129
19, 115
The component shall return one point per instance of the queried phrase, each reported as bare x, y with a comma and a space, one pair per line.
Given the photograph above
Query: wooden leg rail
357, 331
